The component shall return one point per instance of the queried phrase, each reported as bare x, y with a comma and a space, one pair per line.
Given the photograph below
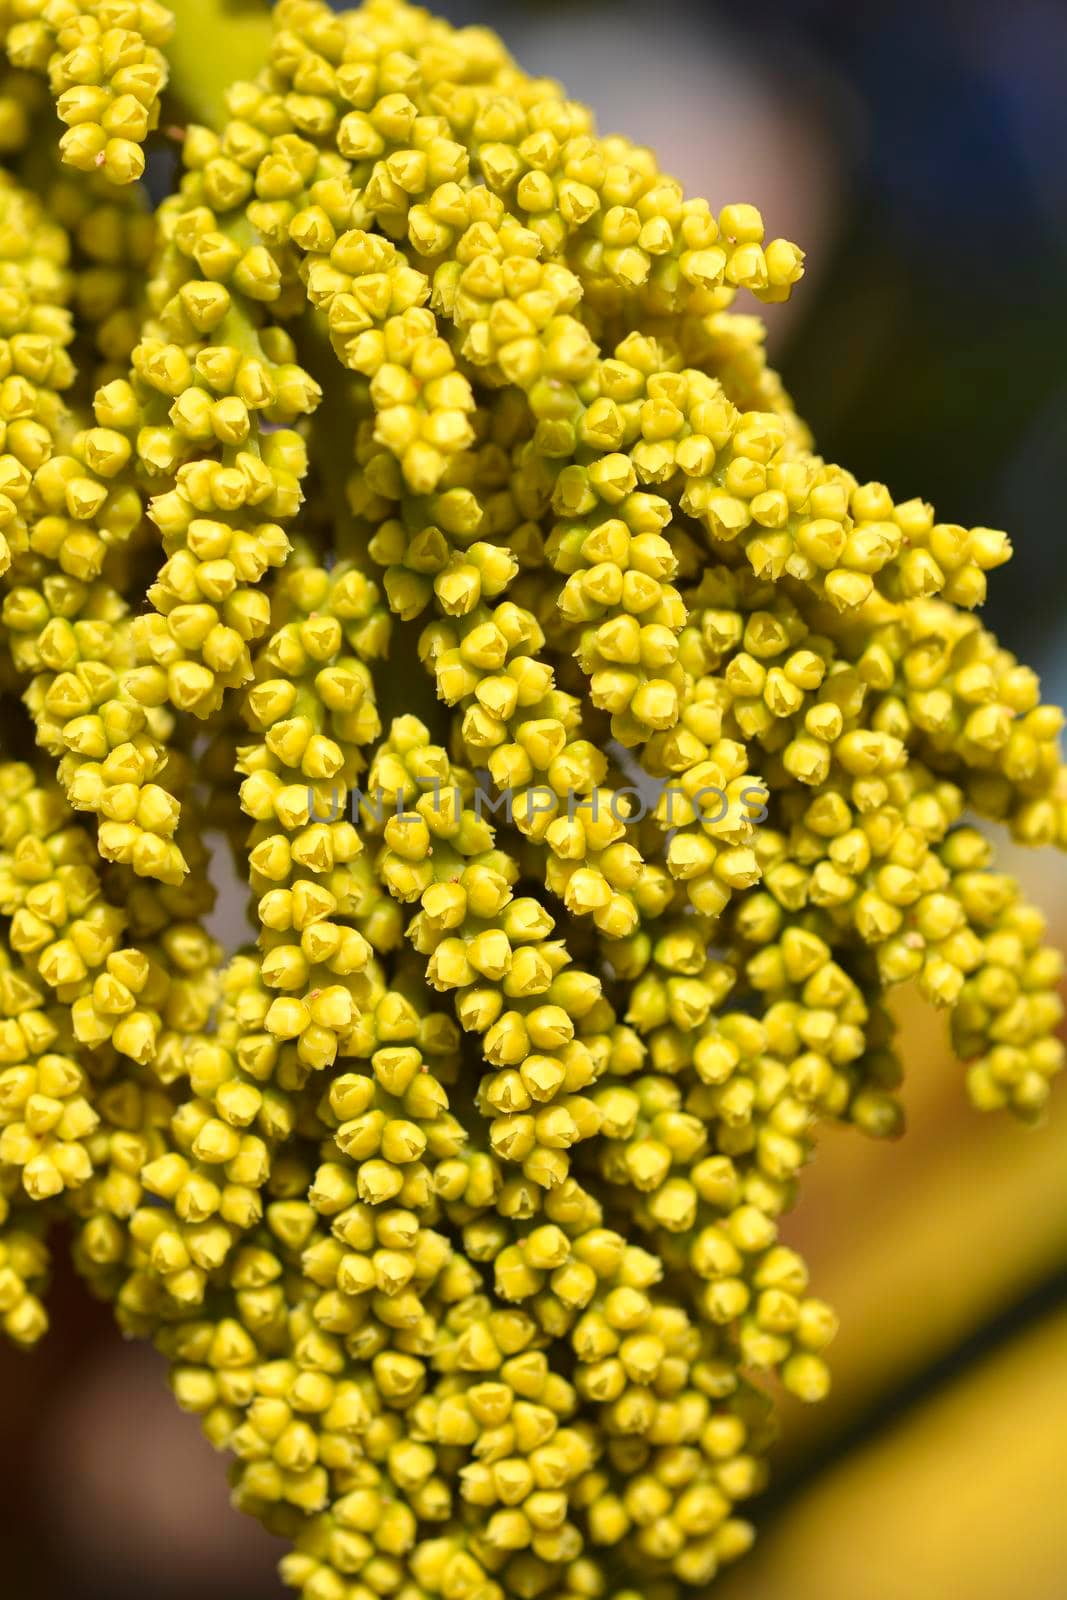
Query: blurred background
918, 156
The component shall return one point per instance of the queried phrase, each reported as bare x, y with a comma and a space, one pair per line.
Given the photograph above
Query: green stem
216, 43
403, 686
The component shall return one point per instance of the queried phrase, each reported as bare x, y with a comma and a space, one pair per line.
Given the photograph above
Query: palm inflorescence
404, 505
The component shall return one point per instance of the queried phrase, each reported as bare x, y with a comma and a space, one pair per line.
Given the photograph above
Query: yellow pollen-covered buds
513, 982
381, 328
106, 69
222, 522
46, 1119
24, 1264
427, 541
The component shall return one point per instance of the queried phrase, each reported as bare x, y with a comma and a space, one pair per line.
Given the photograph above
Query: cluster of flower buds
404, 507
106, 68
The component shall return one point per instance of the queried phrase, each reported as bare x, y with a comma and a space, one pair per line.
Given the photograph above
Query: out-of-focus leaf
962, 1500
919, 1244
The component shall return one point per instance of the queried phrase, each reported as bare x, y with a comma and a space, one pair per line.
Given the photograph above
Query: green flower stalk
407, 495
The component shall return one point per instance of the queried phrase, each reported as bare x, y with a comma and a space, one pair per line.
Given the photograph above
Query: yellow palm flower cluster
105, 68
406, 501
